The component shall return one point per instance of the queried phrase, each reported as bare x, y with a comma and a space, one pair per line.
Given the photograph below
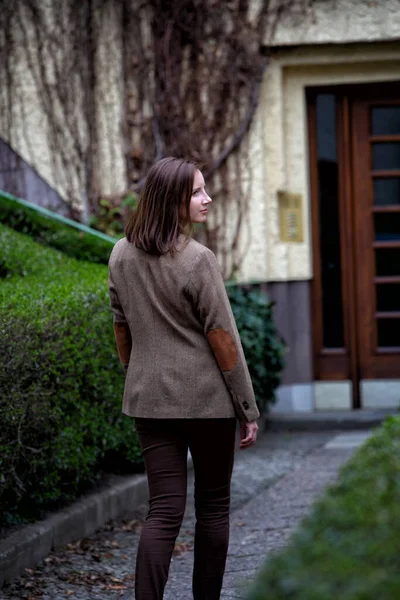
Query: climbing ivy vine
192, 72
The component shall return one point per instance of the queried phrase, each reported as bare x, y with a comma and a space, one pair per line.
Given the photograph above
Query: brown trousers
165, 443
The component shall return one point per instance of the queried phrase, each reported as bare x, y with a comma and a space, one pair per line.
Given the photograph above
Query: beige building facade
329, 120
325, 174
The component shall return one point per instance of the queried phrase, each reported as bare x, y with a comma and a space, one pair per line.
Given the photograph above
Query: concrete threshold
327, 420
345, 441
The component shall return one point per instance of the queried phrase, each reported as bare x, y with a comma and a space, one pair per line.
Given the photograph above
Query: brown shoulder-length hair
163, 209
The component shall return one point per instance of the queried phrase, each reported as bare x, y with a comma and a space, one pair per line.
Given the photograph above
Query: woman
187, 381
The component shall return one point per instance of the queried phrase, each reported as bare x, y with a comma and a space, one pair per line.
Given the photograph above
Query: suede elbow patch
124, 341
224, 348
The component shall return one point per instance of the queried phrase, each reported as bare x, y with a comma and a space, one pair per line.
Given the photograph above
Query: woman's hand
248, 434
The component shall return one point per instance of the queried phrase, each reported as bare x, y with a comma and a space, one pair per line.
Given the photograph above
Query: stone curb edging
31, 544
122, 497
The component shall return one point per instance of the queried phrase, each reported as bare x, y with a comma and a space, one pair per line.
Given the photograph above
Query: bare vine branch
192, 73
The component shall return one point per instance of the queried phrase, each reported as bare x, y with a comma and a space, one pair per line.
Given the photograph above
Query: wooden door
376, 175
354, 153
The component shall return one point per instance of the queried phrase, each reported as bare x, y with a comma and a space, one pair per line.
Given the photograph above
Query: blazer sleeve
207, 291
121, 328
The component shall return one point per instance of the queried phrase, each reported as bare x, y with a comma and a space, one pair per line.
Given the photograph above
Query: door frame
337, 364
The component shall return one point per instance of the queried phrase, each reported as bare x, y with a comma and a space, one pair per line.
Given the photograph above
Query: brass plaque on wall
290, 217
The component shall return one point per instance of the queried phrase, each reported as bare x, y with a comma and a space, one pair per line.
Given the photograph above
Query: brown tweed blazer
176, 335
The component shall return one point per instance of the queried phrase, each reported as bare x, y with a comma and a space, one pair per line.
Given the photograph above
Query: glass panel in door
385, 121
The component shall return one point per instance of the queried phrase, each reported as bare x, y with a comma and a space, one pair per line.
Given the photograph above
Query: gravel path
273, 486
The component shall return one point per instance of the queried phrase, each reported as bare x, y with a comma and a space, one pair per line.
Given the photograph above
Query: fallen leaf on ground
81, 546
182, 547
116, 587
53, 559
130, 526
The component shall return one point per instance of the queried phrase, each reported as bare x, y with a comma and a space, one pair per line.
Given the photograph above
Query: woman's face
199, 201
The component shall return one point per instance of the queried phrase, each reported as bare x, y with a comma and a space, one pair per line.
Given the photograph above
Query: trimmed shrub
61, 382
262, 345
349, 547
50, 229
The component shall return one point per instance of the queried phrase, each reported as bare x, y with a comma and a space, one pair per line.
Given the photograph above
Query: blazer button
246, 405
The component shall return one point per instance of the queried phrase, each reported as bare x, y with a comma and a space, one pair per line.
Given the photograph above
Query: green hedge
349, 547
61, 382
263, 347
50, 229
60, 379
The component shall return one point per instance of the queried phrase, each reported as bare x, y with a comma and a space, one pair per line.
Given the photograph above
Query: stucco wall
28, 135
341, 21
282, 112
110, 109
